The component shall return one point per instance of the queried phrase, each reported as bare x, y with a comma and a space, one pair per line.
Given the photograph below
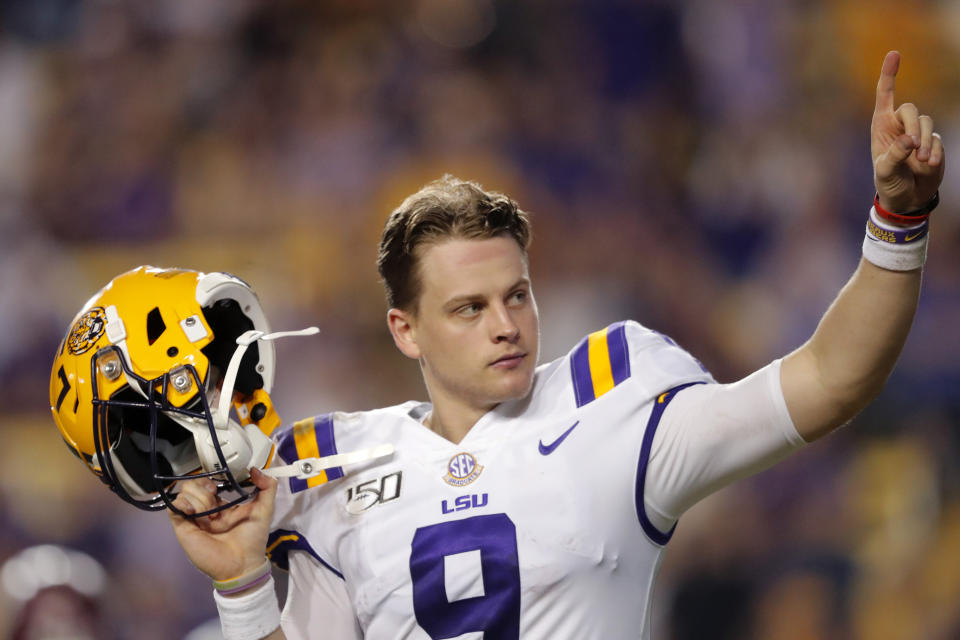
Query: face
475, 331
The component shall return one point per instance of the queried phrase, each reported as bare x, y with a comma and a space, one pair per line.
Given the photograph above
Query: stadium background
701, 166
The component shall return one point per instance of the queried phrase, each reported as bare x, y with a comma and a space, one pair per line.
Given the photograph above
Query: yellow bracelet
244, 581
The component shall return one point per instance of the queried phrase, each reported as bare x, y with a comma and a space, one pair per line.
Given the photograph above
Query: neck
454, 422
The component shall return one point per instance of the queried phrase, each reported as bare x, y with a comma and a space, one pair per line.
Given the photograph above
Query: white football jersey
533, 526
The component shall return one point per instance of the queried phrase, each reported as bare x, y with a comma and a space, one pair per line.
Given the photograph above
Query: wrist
891, 211
886, 204
245, 581
896, 246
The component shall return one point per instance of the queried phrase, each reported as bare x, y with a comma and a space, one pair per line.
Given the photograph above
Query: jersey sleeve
713, 434
309, 438
627, 351
300, 511
318, 604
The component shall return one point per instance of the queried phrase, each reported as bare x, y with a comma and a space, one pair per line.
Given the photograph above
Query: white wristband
251, 616
891, 247
895, 257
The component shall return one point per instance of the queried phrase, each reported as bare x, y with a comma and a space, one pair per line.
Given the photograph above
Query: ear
402, 325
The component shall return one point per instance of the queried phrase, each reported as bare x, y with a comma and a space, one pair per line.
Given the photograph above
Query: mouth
509, 361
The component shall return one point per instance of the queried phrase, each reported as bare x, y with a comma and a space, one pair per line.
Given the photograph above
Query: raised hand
908, 157
228, 543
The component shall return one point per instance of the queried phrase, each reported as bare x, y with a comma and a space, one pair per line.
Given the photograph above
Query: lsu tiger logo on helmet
86, 330
135, 376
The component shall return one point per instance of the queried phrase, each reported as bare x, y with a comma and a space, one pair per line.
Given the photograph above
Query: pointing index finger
888, 73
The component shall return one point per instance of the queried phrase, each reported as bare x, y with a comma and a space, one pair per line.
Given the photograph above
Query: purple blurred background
702, 167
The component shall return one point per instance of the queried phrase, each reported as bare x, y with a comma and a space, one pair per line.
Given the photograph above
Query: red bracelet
911, 217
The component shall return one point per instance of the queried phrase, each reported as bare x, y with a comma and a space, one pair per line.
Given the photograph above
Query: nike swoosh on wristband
547, 449
909, 238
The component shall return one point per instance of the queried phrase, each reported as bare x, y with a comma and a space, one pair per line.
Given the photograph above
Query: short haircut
443, 209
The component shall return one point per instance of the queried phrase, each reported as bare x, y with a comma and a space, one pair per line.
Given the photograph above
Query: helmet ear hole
228, 323
155, 325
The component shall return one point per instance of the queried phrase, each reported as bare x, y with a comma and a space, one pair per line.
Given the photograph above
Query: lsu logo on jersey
462, 469
472, 501
86, 331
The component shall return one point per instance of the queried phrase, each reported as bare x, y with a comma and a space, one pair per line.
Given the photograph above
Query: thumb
268, 490
899, 150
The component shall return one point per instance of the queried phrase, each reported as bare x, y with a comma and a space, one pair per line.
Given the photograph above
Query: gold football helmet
144, 381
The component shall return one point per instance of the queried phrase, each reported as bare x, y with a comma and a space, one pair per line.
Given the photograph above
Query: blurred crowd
701, 166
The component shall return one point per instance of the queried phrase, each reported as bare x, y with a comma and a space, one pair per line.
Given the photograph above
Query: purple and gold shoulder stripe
600, 362
309, 438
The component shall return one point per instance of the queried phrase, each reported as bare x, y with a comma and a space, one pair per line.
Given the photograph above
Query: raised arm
846, 362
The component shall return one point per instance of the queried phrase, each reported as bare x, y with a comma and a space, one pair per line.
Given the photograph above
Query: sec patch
462, 469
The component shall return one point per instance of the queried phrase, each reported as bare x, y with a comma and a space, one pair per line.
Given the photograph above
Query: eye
518, 297
469, 310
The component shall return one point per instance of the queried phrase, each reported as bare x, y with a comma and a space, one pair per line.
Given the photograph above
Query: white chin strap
246, 339
302, 469
305, 468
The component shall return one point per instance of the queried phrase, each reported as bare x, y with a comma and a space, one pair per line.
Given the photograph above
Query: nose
504, 329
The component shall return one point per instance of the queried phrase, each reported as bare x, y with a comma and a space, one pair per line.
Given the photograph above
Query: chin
517, 388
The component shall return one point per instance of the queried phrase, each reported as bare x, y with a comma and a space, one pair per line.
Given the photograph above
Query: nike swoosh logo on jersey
547, 449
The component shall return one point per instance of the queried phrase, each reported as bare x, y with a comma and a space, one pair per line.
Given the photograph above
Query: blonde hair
445, 208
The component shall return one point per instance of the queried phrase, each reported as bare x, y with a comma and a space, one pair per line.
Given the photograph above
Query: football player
521, 500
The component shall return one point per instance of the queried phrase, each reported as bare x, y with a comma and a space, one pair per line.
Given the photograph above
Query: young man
536, 502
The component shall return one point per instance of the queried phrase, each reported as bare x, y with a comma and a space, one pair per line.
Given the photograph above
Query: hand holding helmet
225, 543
